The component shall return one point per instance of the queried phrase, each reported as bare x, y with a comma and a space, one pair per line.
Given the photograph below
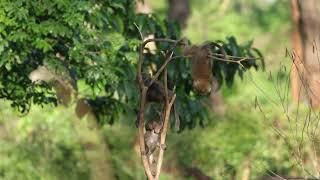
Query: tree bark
297, 68
246, 170
308, 27
179, 10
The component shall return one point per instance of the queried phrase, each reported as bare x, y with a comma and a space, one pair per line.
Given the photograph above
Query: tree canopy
52, 50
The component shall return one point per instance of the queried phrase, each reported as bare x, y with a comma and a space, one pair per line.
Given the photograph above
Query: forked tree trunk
306, 15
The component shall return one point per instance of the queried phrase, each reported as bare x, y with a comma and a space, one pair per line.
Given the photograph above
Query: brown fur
152, 142
154, 125
200, 67
156, 92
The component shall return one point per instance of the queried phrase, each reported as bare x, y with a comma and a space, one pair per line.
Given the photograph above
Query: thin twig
232, 61
156, 76
177, 57
163, 66
234, 57
139, 31
165, 79
141, 58
224, 54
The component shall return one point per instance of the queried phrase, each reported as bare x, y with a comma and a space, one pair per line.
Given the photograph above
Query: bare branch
234, 57
231, 61
141, 58
224, 54
165, 74
141, 36
156, 76
164, 134
141, 133
177, 57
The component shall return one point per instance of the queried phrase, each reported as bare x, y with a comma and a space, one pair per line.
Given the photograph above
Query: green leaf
42, 44
116, 40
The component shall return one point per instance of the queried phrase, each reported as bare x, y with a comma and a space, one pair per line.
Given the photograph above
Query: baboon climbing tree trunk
306, 43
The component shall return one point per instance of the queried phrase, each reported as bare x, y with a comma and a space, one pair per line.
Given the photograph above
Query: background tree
306, 43
179, 10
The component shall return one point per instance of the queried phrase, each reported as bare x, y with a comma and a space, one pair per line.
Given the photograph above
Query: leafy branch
169, 101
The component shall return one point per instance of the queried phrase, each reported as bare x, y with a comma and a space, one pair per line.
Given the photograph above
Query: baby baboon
156, 92
152, 141
152, 136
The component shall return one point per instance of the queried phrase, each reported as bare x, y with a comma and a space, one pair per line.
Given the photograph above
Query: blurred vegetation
40, 146
46, 144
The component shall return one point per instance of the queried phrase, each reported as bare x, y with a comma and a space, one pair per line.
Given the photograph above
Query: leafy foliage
233, 140
41, 147
94, 42
227, 71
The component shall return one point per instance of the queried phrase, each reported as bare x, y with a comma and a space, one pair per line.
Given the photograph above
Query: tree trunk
179, 10
297, 68
307, 13
216, 100
246, 170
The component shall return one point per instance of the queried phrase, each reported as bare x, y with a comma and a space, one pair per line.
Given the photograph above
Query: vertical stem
163, 134
141, 133
165, 74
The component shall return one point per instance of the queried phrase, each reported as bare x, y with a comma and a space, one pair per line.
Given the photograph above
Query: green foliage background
46, 144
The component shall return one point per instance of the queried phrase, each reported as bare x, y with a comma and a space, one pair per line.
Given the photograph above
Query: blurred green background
251, 134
